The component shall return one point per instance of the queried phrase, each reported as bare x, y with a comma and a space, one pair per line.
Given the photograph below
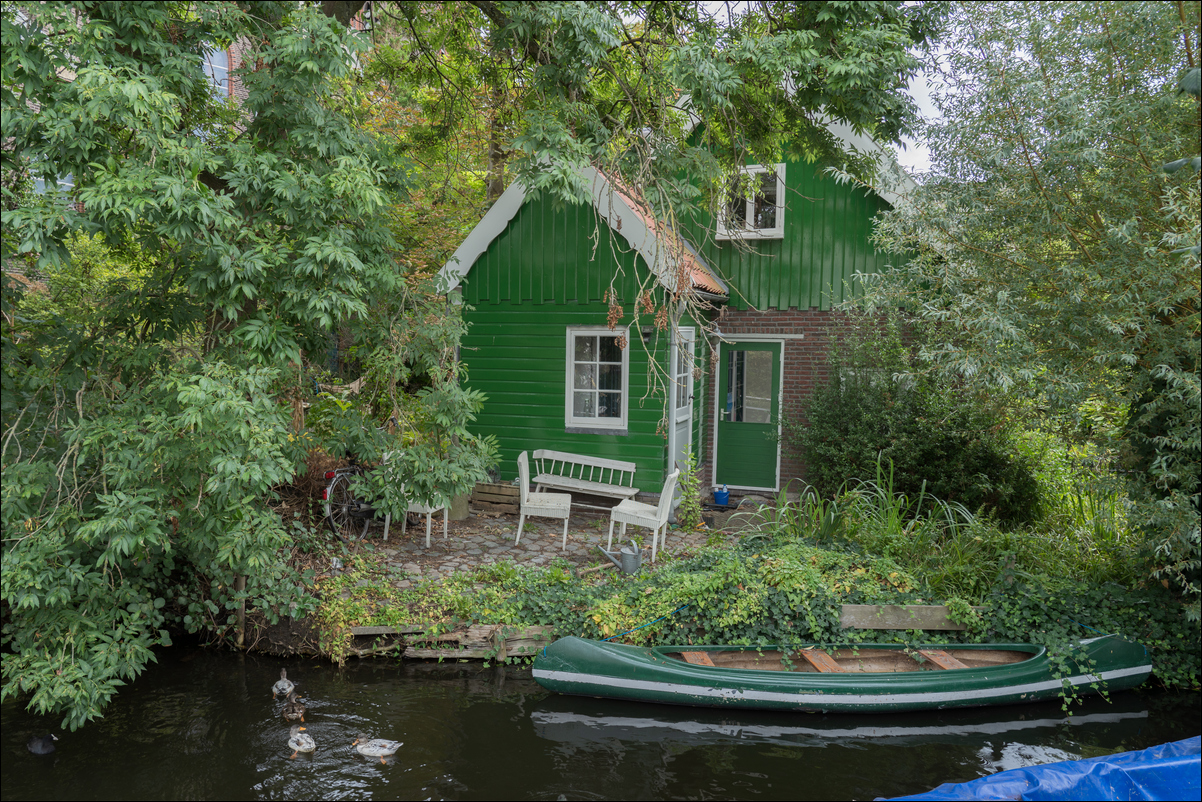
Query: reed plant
954, 551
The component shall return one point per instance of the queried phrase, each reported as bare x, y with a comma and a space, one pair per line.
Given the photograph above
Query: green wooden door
748, 411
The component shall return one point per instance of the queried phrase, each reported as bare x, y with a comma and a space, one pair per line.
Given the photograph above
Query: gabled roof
669, 256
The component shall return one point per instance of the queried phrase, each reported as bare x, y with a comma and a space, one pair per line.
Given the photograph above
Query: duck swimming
41, 744
300, 743
284, 686
376, 747
294, 710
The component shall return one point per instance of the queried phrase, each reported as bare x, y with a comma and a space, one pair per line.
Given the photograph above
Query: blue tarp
1168, 771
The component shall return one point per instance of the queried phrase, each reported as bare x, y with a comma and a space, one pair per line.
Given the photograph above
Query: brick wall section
238, 52
805, 367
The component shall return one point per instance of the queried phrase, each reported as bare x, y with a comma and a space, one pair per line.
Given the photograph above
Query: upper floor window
756, 209
217, 67
63, 184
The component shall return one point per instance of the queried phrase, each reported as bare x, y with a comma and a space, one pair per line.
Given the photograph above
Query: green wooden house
562, 370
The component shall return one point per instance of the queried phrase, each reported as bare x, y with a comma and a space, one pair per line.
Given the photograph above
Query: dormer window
756, 209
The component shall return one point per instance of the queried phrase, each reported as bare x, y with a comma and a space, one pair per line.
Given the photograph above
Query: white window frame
570, 419
724, 230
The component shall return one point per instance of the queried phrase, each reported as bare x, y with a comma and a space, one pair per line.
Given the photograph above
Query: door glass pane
757, 388
683, 377
749, 386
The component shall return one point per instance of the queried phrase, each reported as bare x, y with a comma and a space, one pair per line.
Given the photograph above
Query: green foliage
204, 246
939, 439
1052, 247
567, 85
688, 511
779, 589
154, 511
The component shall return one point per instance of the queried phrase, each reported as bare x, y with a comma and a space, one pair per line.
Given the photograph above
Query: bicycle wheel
341, 509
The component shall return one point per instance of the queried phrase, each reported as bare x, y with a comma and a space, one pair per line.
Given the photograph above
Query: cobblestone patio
486, 537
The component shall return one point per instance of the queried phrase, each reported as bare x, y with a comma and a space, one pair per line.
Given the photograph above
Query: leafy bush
940, 439
688, 513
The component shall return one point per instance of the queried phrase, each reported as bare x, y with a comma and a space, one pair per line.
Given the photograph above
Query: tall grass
956, 552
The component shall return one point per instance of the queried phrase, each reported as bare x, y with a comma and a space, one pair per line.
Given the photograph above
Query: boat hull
616, 671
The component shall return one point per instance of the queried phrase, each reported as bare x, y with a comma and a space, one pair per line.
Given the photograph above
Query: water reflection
572, 727
203, 725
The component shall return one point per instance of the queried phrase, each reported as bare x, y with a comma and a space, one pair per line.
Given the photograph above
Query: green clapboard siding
827, 241
542, 275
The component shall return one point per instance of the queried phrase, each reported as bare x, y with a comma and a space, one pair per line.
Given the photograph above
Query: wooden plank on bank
524, 642
408, 629
896, 616
447, 654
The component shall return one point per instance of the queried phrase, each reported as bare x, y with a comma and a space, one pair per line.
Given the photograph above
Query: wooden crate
496, 497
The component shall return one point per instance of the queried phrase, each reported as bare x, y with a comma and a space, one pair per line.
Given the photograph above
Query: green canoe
840, 679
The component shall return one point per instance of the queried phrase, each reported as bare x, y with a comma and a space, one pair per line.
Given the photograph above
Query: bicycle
347, 515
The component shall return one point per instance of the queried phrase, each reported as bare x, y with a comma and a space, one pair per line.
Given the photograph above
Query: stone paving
485, 537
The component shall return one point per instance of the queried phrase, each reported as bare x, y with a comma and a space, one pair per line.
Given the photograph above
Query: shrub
941, 439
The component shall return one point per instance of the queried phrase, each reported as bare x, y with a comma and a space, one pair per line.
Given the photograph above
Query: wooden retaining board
405, 630
481, 641
896, 616
496, 497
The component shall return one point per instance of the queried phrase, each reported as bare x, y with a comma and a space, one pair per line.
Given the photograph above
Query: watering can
629, 559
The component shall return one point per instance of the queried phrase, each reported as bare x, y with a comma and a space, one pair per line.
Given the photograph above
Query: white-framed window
63, 185
597, 378
217, 67
756, 211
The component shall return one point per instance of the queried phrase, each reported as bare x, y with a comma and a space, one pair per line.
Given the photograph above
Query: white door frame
676, 415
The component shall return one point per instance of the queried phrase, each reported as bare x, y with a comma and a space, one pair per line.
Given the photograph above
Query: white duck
375, 747
299, 742
284, 686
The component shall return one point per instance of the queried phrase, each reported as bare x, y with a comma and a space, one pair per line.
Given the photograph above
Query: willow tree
1052, 246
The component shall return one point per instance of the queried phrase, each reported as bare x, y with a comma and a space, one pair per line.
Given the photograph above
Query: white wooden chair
639, 514
542, 505
421, 509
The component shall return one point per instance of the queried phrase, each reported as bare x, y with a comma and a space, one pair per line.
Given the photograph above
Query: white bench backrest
589, 469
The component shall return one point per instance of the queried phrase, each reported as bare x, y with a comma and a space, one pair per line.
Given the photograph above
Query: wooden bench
577, 473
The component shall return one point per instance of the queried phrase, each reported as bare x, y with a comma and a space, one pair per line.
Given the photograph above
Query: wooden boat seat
697, 658
821, 661
941, 658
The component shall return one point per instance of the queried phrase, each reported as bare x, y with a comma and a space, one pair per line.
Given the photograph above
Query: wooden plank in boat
821, 661
697, 658
941, 658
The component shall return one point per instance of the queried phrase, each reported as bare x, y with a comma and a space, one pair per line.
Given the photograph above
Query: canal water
202, 725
